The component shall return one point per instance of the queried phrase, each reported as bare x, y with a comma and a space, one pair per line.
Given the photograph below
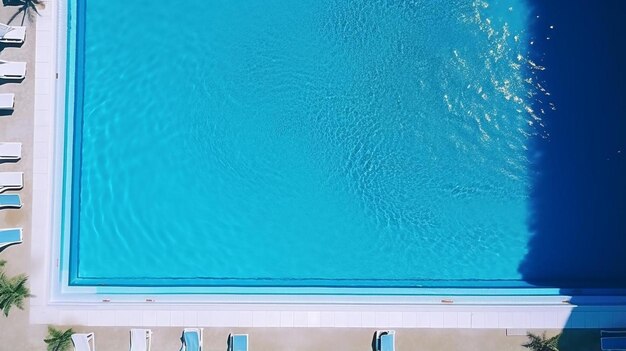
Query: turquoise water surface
301, 143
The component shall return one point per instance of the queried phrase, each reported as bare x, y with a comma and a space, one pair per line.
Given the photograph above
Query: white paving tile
42, 86
205, 318
41, 119
395, 319
259, 318
314, 318
491, 319
382, 319
101, 318
40, 166
44, 53
244, 319
368, 319
43, 70
423, 320
273, 318
148, 318
286, 319
341, 319
464, 320
436, 319
450, 320
190, 318
409, 320
478, 319
354, 319
128, 318
505, 320
300, 319
163, 318
327, 319
42, 103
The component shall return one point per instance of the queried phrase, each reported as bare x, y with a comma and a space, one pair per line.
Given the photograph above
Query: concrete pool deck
284, 326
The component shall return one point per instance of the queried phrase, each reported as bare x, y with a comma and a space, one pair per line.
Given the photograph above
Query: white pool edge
50, 307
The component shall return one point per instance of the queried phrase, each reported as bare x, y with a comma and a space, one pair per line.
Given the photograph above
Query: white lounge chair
10, 151
12, 34
385, 340
238, 342
12, 70
192, 339
84, 342
10, 237
11, 181
10, 201
7, 101
140, 339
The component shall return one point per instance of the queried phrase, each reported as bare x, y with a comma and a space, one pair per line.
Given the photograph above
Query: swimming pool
309, 144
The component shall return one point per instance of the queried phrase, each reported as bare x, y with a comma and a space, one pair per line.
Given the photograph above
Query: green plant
27, 7
541, 343
59, 340
2, 263
13, 292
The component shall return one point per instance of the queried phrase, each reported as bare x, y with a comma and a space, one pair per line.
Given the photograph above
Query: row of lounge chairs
11, 70
11, 151
141, 340
10, 181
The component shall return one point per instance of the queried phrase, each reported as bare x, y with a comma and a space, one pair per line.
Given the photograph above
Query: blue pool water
302, 143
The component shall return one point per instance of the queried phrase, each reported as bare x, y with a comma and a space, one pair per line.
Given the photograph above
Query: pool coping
82, 307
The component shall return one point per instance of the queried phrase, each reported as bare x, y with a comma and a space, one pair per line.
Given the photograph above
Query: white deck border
232, 310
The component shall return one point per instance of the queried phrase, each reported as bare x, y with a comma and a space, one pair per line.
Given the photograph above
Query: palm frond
58, 340
13, 292
541, 343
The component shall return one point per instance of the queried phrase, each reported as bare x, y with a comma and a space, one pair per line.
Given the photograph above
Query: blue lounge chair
613, 340
10, 237
10, 201
385, 340
192, 339
238, 342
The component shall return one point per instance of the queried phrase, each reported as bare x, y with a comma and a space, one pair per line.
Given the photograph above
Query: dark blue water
578, 196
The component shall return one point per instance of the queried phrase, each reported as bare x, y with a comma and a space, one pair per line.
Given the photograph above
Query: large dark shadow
578, 194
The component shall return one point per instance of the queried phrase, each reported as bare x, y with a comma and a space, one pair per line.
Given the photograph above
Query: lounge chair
238, 342
11, 181
385, 340
192, 339
10, 151
84, 342
10, 237
10, 201
613, 340
7, 101
12, 34
12, 70
140, 339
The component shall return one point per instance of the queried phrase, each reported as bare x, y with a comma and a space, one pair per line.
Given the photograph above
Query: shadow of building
578, 195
